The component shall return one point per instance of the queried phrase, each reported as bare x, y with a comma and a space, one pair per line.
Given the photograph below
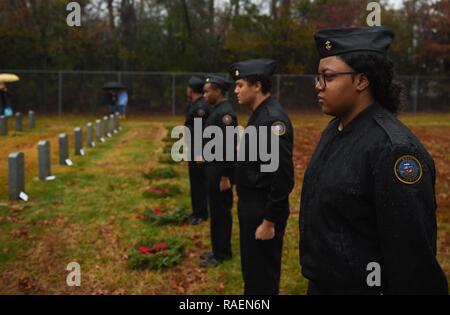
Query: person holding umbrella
5, 95
111, 98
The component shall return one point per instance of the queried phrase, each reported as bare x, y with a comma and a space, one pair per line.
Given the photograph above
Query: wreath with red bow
156, 254
161, 191
161, 173
161, 216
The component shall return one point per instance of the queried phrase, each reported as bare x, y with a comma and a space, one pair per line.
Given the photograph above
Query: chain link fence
73, 92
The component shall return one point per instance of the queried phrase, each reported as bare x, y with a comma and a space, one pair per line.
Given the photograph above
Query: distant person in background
5, 101
111, 101
122, 101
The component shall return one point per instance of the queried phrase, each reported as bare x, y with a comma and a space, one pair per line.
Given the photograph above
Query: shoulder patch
278, 128
227, 119
408, 170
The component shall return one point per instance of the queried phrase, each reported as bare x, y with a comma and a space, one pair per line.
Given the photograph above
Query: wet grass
93, 212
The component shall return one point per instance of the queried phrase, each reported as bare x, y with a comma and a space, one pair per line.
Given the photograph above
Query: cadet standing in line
367, 217
197, 108
263, 205
219, 173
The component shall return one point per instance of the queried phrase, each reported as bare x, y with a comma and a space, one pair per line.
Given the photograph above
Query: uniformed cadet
197, 108
219, 173
263, 206
367, 214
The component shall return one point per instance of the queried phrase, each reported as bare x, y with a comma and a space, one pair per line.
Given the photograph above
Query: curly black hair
379, 70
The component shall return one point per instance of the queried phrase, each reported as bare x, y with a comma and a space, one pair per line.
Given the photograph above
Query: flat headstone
44, 161
19, 126
118, 122
3, 125
89, 135
105, 126
31, 119
16, 176
64, 150
78, 137
98, 129
112, 128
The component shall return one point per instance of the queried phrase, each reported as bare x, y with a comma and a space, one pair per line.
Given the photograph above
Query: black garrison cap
338, 41
260, 67
219, 80
196, 82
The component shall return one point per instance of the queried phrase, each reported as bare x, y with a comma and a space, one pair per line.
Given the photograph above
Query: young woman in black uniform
367, 213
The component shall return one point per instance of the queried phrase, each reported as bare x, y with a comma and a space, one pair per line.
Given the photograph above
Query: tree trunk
187, 21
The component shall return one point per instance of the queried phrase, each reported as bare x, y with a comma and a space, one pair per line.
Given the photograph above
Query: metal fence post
416, 93
173, 94
59, 93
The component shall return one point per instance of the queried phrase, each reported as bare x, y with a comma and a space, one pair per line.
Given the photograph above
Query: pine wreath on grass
156, 254
161, 191
161, 173
163, 216
166, 159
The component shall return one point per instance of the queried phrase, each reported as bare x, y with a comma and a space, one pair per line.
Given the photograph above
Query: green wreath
161, 173
166, 159
161, 191
159, 216
156, 254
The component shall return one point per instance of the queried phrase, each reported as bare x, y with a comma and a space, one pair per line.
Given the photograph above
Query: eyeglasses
321, 78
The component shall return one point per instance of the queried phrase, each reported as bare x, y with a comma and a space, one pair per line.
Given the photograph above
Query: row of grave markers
19, 125
16, 161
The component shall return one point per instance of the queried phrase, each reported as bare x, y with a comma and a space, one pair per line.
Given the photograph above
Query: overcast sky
395, 3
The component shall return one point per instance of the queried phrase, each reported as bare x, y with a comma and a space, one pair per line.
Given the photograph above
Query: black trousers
261, 260
199, 192
220, 204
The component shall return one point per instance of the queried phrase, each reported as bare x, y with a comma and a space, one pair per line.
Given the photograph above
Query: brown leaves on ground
21, 232
185, 278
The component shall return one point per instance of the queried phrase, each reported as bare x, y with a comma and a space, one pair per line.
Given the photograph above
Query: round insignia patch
200, 112
328, 45
227, 119
237, 73
408, 169
278, 128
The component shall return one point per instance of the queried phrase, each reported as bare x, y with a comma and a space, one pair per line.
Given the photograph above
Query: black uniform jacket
368, 196
250, 181
197, 109
223, 115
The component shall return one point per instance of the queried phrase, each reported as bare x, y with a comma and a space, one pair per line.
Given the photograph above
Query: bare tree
110, 6
187, 20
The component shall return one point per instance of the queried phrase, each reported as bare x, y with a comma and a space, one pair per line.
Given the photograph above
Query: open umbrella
8, 77
113, 86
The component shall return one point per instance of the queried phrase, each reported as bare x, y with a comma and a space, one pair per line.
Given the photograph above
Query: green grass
94, 213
